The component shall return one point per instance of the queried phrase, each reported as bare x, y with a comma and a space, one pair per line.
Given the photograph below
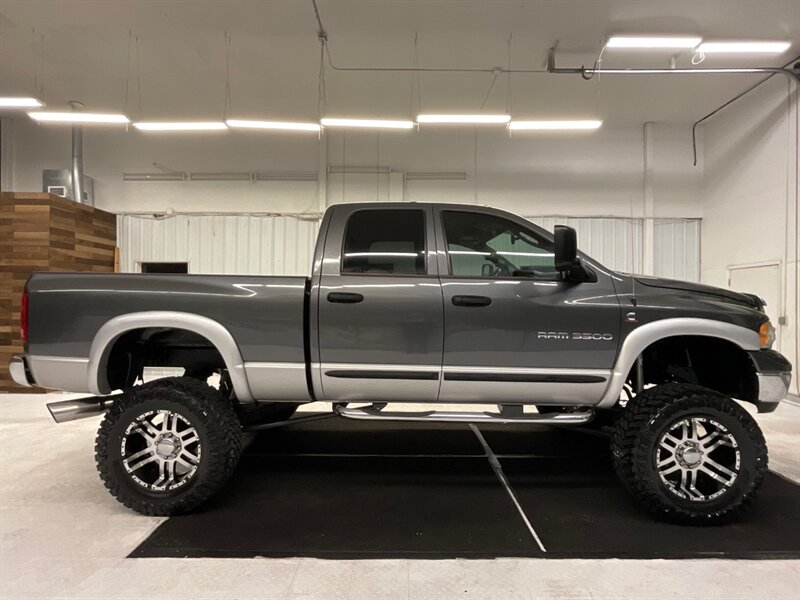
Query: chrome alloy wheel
697, 459
160, 450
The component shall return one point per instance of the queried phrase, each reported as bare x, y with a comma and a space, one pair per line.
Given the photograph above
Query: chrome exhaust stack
80, 408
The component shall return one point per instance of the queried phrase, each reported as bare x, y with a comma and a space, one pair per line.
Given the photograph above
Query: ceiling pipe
795, 70
322, 35
589, 72
77, 155
789, 69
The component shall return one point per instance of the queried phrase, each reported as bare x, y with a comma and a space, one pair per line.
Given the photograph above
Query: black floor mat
580, 511
345, 489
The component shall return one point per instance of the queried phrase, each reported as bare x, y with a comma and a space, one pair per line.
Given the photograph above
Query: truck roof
451, 205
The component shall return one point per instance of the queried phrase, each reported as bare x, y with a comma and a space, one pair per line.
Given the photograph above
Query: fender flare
643, 336
210, 329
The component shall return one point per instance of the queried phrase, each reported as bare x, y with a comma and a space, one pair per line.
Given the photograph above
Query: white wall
592, 174
628, 172
749, 196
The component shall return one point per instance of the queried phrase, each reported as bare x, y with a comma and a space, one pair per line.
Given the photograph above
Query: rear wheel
689, 454
167, 446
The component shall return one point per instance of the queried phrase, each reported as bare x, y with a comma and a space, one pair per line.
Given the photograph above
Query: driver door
515, 331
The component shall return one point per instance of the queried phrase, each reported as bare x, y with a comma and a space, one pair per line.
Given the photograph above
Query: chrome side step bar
377, 414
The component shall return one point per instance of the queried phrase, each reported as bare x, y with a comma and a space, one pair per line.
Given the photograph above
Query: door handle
472, 300
345, 297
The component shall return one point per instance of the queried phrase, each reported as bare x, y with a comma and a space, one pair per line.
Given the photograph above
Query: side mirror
566, 248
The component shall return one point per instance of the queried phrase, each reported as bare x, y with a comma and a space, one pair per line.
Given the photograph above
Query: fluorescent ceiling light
370, 123
554, 125
78, 117
279, 125
180, 125
743, 47
624, 41
18, 102
464, 119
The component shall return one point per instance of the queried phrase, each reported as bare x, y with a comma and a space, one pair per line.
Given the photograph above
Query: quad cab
413, 303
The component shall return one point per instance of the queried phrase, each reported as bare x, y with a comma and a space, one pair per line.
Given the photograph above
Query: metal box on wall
59, 183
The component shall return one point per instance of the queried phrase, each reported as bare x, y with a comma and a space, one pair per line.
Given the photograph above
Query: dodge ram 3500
413, 303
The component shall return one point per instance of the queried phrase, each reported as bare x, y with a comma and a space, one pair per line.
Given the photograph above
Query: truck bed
265, 315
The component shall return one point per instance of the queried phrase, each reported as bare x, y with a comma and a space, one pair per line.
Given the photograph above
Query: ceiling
275, 56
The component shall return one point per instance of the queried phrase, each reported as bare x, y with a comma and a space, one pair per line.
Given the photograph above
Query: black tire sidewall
218, 430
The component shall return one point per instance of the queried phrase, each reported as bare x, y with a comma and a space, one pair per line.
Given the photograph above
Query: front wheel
689, 454
167, 446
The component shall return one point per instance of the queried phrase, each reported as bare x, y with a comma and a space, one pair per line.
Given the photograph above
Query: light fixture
464, 119
19, 102
368, 123
221, 176
625, 41
78, 117
743, 47
287, 176
278, 125
180, 125
584, 124
154, 177
435, 176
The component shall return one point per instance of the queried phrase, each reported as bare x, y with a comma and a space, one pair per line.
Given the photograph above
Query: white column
322, 173
648, 199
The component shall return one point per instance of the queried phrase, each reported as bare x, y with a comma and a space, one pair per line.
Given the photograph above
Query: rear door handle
472, 300
345, 297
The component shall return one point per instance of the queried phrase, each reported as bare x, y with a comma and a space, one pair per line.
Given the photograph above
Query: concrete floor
63, 536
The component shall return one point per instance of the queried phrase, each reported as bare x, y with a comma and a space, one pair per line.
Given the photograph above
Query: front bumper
774, 375
20, 373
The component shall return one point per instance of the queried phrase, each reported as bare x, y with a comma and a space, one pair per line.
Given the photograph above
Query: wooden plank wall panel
42, 232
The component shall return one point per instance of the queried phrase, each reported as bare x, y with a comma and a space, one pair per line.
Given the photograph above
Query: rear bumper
774, 374
20, 373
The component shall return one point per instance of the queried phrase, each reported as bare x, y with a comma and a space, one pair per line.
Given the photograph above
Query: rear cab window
385, 242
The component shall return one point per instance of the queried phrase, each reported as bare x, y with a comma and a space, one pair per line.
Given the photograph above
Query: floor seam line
498, 470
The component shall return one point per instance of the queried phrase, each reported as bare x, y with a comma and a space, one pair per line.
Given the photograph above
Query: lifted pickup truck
413, 303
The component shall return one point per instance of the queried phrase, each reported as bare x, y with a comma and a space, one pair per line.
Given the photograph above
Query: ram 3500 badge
563, 335
424, 303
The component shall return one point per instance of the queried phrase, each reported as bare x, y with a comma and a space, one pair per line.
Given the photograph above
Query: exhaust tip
80, 408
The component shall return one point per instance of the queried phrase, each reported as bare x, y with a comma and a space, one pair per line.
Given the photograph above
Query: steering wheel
499, 268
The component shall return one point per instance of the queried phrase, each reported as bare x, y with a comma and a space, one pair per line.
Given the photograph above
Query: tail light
23, 317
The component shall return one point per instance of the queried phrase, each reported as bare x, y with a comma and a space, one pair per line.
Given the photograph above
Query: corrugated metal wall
618, 243
614, 243
275, 245
242, 244
676, 248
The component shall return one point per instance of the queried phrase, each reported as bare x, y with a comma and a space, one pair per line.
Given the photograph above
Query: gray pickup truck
413, 303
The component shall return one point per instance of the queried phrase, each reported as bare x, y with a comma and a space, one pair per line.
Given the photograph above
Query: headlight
766, 335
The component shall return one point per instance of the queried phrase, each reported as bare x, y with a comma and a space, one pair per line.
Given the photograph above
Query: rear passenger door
380, 314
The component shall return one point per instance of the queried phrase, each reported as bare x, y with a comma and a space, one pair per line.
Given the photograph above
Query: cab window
480, 245
385, 241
